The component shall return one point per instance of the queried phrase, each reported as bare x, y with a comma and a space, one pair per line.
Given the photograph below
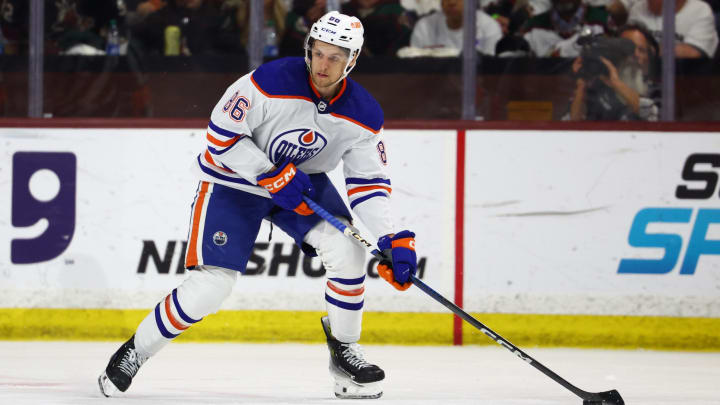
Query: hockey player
271, 138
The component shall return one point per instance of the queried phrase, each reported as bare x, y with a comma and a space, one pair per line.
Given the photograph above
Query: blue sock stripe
158, 320
349, 281
367, 197
344, 305
357, 180
182, 314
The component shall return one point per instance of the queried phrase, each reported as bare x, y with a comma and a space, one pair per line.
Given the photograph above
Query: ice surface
191, 373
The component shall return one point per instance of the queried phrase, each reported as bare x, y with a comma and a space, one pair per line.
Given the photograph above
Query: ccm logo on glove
286, 185
280, 180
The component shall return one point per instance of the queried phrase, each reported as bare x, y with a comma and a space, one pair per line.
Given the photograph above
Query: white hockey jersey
275, 112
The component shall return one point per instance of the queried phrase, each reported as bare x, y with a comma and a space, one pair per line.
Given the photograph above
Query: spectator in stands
510, 14
386, 24
274, 12
555, 32
420, 8
444, 30
618, 11
200, 26
299, 20
14, 23
80, 27
695, 32
620, 90
148, 7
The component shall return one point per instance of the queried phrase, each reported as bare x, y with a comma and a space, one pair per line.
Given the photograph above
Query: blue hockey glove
401, 248
286, 185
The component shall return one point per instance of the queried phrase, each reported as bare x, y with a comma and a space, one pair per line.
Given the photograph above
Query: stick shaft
452, 307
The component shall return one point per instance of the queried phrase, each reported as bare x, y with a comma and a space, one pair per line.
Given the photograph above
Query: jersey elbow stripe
212, 173
223, 144
208, 157
216, 130
216, 151
344, 305
357, 201
356, 190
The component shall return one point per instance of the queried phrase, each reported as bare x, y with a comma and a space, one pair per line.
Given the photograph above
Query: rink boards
591, 231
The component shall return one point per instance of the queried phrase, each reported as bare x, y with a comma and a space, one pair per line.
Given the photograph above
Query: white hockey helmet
337, 29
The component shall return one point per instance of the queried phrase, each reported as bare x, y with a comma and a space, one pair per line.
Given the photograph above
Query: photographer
611, 83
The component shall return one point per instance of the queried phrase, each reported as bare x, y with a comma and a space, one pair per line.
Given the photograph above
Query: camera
616, 50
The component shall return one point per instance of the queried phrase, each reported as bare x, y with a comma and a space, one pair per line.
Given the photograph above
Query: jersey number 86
236, 106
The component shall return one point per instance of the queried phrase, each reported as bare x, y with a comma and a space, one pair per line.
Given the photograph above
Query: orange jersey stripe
312, 86
192, 258
368, 188
356, 122
351, 293
340, 93
222, 144
317, 93
266, 94
177, 325
210, 160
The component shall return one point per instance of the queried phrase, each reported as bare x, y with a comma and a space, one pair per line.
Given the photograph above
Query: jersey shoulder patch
361, 107
284, 77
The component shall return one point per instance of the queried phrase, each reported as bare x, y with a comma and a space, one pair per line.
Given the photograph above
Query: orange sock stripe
177, 325
368, 188
192, 258
350, 293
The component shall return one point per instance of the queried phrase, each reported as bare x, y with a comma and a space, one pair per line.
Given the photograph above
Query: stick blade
605, 398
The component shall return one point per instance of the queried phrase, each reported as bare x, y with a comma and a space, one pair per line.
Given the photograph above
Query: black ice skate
121, 369
354, 377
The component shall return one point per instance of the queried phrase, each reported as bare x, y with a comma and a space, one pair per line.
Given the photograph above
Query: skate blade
107, 388
350, 390
346, 388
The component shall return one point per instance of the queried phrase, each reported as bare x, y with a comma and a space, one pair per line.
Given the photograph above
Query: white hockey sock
344, 262
199, 295
344, 299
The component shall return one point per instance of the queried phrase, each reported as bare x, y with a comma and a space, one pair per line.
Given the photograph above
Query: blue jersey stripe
219, 176
158, 319
348, 281
367, 197
344, 305
182, 314
223, 132
221, 150
356, 180
218, 152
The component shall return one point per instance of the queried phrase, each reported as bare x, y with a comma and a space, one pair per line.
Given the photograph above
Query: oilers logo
298, 145
220, 238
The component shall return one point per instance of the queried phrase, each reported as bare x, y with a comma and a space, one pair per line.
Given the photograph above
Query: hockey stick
589, 398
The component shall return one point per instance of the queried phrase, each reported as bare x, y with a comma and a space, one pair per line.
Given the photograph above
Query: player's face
327, 65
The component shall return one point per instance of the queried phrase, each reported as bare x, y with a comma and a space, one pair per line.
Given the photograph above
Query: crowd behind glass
614, 44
